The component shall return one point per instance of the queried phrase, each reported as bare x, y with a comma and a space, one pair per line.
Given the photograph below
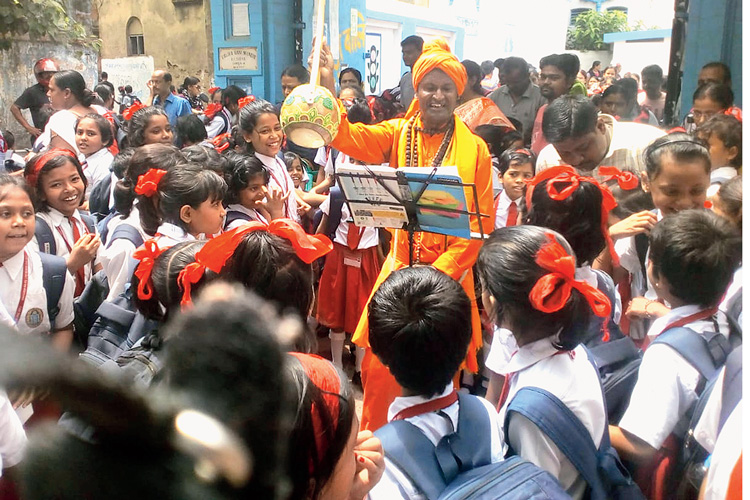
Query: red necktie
81, 273
512, 214
353, 235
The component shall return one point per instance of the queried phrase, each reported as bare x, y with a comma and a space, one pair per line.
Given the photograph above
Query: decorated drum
310, 116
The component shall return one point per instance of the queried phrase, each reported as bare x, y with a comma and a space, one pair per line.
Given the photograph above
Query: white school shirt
280, 177
625, 249
96, 168
33, 319
5, 318
719, 177
12, 435
112, 185
250, 212
55, 219
571, 378
734, 289
501, 212
434, 425
666, 382
168, 235
115, 257
369, 234
725, 455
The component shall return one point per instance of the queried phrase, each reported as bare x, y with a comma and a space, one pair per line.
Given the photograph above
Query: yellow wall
176, 34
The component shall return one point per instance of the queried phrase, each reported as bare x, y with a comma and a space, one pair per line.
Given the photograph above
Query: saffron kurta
386, 142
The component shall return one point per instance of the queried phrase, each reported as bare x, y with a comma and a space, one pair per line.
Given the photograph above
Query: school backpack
118, 327
54, 272
46, 239
140, 364
460, 467
99, 199
706, 352
601, 468
334, 211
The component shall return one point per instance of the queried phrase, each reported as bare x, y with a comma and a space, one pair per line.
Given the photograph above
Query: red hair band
213, 89
212, 110
244, 101
734, 111
221, 142
32, 177
128, 113
147, 255
217, 251
626, 180
562, 181
552, 291
148, 183
324, 376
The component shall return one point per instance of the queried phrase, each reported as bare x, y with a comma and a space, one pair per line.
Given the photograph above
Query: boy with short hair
516, 167
692, 257
420, 327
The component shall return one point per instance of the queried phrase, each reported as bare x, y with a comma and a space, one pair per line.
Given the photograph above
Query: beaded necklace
412, 160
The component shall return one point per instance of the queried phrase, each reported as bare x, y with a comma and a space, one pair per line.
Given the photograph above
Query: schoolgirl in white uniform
59, 184
22, 290
529, 289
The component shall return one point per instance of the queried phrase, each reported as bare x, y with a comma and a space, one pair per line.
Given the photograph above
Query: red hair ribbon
563, 181
552, 291
244, 101
325, 377
212, 90
221, 142
217, 251
128, 113
212, 110
626, 180
147, 255
32, 176
734, 111
148, 183
708, 204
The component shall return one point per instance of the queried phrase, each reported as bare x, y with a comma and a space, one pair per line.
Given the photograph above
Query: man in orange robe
439, 78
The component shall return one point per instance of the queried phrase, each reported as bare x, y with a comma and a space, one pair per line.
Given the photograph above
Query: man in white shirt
584, 139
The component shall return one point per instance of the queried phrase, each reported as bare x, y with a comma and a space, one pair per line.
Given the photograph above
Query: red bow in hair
212, 90
244, 101
147, 255
217, 251
552, 291
734, 111
128, 113
325, 377
212, 110
626, 180
32, 174
148, 183
563, 181
221, 142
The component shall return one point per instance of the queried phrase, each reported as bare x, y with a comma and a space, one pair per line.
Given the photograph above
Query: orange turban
437, 55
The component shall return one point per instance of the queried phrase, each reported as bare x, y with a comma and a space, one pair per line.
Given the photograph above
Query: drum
310, 116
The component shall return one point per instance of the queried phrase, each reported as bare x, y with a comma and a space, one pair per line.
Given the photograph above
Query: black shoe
357, 379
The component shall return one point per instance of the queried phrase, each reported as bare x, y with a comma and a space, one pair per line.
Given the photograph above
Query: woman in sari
475, 109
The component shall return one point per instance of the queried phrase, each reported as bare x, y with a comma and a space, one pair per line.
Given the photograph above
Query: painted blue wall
714, 33
352, 50
271, 31
409, 27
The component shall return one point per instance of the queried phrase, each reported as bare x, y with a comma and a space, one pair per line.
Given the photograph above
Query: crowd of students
180, 278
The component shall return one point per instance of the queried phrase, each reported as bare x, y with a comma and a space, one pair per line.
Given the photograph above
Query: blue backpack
54, 272
46, 239
460, 467
601, 468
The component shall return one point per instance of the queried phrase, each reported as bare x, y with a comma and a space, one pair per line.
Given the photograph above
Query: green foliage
588, 31
38, 19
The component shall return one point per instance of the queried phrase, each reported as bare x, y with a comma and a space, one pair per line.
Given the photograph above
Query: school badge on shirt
34, 317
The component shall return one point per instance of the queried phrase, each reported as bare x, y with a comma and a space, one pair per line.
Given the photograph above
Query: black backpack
99, 199
118, 327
